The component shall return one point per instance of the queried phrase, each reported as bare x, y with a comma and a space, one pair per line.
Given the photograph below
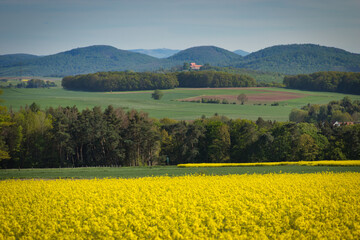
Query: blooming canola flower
299, 163
268, 206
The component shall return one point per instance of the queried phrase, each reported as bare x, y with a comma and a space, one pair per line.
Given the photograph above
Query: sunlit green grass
168, 106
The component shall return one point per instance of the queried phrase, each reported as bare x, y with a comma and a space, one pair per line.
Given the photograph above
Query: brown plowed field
264, 96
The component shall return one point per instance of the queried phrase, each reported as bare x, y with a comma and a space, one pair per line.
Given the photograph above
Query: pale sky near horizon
43, 27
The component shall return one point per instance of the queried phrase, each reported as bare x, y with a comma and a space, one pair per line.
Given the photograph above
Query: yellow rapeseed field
300, 163
270, 206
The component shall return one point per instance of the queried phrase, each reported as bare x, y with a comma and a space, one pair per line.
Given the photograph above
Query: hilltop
301, 58
206, 54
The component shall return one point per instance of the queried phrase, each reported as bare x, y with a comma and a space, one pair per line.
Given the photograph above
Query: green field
168, 106
134, 172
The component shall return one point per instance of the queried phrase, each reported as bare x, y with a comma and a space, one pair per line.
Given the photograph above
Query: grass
134, 172
168, 106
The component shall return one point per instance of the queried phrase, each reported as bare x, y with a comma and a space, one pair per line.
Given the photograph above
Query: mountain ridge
301, 58
286, 59
241, 52
87, 60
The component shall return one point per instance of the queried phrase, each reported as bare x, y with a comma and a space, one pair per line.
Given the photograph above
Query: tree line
32, 83
67, 137
344, 110
344, 82
214, 79
131, 81
120, 81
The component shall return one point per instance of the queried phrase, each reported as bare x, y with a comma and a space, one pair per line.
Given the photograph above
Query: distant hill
158, 53
85, 60
206, 54
301, 58
241, 52
284, 59
15, 59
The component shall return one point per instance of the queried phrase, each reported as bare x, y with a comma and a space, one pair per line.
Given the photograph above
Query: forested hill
86, 60
288, 59
301, 58
15, 59
206, 54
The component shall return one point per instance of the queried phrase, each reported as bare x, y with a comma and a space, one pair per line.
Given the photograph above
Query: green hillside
15, 59
284, 59
301, 58
206, 54
85, 60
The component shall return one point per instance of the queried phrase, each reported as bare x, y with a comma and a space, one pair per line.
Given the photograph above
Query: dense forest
67, 137
120, 81
268, 79
214, 79
129, 81
35, 83
9, 60
344, 110
344, 82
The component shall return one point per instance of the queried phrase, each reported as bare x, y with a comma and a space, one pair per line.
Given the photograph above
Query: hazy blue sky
50, 26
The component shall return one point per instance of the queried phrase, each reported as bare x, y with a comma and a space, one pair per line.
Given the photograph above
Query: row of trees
32, 83
125, 81
344, 110
120, 81
67, 137
36, 83
345, 82
214, 79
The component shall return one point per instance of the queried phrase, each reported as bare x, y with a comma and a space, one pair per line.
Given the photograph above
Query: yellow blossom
268, 206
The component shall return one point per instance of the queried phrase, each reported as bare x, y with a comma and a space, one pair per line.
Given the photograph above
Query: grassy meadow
169, 106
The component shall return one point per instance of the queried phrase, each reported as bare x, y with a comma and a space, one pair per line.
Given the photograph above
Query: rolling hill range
83, 60
285, 59
301, 58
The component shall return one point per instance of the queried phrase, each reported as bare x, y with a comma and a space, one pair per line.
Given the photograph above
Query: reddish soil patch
128, 92
264, 96
274, 96
230, 88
